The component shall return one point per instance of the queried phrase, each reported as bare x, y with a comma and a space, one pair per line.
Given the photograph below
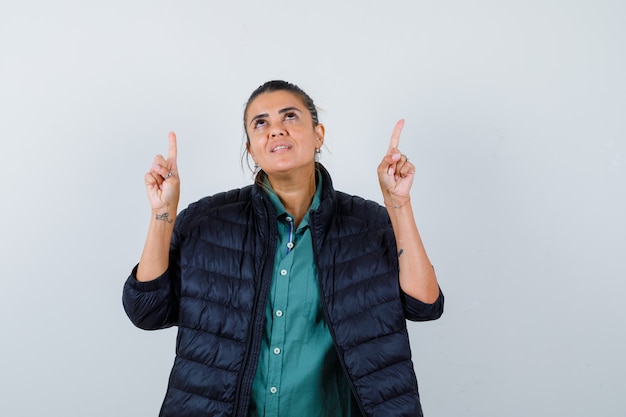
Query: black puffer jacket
216, 290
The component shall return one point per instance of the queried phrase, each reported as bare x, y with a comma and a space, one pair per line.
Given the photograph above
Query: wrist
165, 208
165, 215
396, 203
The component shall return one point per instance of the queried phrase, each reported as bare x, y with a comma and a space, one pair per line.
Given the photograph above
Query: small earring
318, 150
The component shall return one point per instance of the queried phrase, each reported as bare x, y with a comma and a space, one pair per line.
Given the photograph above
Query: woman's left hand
395, 172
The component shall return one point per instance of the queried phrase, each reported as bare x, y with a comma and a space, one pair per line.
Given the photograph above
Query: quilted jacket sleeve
151, 305
154, 304
416, 310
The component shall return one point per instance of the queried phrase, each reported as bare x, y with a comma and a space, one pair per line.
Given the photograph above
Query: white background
515, 118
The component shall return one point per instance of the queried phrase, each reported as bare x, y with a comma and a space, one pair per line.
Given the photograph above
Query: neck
295, 194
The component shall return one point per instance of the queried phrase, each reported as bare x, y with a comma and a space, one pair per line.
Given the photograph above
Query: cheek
254, 147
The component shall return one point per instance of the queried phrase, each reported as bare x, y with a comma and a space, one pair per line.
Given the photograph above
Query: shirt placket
279, 316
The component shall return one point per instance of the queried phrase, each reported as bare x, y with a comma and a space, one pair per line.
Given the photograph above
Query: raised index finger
172, 151
395, 136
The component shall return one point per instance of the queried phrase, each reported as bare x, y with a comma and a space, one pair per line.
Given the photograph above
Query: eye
258, 123
291, 115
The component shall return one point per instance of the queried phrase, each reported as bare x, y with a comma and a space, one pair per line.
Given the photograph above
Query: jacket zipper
330, 326
244, 384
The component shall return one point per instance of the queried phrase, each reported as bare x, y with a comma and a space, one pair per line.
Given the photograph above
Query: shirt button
273, 390
279, 313
290, 245
283, 272
289, 219
276, 351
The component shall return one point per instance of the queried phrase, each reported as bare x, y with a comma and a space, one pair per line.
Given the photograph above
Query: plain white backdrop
515, 118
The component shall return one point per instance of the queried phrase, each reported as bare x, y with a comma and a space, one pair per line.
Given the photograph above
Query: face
281, 132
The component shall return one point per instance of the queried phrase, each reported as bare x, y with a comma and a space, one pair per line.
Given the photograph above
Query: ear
320, 131
249, 150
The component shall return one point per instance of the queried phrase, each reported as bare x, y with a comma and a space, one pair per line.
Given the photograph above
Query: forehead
274, 101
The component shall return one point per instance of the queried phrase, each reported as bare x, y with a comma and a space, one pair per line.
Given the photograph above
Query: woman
289, 297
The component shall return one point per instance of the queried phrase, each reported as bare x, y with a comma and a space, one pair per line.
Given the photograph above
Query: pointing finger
395, 136
172, 150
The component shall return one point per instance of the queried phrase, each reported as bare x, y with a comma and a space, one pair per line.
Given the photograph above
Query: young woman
289, 296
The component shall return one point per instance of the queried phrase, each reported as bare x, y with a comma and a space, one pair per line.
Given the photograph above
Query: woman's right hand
162, 181
163, 187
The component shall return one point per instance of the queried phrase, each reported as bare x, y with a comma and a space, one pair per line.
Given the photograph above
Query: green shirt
299, 370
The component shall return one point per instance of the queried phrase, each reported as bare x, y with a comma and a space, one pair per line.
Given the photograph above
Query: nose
277, 131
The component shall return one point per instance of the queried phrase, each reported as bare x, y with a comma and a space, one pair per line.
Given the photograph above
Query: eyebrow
281, 111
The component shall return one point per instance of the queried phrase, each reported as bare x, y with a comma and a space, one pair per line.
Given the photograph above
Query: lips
280, 147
